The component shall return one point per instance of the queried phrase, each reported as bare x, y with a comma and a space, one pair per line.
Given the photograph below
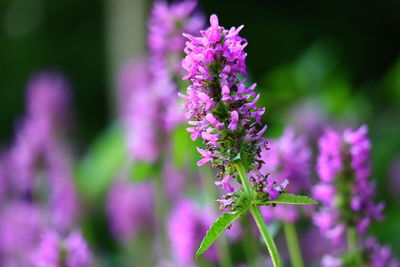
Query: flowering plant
223, 112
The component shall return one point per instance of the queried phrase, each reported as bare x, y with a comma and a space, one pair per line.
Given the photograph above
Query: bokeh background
337, 62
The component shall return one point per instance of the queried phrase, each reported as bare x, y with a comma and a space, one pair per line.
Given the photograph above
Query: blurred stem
249, 243
351, 239
137, 250
224, 254
161, 206
125, 32
293, 244
222, 245
255, 211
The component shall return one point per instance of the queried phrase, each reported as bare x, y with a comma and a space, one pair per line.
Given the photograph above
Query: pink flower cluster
221, 108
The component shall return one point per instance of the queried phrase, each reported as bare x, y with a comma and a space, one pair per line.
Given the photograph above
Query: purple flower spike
47, 101
221, 108
344, 168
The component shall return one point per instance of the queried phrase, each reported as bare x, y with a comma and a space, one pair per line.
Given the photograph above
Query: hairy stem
293, 244
255, 211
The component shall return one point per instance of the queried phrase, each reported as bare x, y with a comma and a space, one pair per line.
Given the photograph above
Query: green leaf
216, 230
286, 198
103, 160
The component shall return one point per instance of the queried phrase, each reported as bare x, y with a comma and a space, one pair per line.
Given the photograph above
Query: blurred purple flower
330, 162
78, 251
48, 99
37, 171
20, 227
286, 213
312, 253
325, 193
330, 261
344, 168
63, 199
139, 110
378, 256
55, 251
360, 146
48, 252
130, 208
371, 254
316, 116
187, 226
288, 158
39, 162
147, 89
166, 24
174, 180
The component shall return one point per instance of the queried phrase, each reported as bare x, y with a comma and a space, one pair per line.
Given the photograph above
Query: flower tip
214, 20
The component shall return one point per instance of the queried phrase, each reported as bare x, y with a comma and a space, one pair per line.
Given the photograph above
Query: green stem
243, 178
249, 244
351, 239
255, 211
273, 251
293, 244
